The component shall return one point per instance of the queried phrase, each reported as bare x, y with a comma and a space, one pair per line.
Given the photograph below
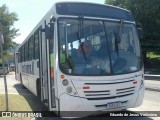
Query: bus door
43, 68
51, 54
47, 71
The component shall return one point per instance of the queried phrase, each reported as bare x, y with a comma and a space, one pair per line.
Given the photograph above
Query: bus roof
93, 10
86, 9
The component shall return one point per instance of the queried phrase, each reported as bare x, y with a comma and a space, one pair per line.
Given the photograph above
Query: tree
147, 13
7, 20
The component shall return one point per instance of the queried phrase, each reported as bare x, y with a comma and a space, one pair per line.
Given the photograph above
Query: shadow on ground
32, 100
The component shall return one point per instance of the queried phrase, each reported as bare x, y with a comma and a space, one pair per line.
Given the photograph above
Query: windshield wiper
118, 36
79, 35
120, 31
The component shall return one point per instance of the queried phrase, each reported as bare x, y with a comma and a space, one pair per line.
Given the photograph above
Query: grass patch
19, 103
152, 55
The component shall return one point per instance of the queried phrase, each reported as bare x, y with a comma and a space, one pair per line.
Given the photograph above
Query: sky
30, 12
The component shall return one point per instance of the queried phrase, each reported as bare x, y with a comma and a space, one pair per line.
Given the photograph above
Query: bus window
22, 55
31, 48
19, 56
90, 33
26, 51
36, 45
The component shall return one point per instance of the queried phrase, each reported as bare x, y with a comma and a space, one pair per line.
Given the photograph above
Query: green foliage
151, 55
14, 45
7, 20
147, 13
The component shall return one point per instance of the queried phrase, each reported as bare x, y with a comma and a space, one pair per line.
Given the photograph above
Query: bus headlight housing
65, 82
69, 87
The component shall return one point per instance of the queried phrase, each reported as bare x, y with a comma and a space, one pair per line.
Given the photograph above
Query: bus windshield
96, 47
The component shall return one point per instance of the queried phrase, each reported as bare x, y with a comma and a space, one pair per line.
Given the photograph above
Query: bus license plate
113, 105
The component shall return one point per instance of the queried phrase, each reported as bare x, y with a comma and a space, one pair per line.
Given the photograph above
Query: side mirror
140, 33
48, 30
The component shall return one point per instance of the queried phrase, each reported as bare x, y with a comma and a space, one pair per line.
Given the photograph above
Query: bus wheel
22, 86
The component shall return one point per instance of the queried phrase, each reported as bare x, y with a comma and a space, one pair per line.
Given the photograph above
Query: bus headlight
69, 89
65, 82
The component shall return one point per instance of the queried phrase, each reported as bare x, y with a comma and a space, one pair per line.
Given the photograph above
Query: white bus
83, 57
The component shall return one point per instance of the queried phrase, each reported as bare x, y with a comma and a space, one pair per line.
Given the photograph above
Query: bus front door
44, 69
47, 65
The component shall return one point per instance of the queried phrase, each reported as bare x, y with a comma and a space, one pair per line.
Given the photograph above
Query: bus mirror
140, 33
48, 31
51, 30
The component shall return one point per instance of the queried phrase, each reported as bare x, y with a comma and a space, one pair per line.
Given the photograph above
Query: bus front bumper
71, 106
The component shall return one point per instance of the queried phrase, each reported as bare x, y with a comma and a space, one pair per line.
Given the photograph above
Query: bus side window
26, 51
19, 56
22, 48
36, 45
31, 48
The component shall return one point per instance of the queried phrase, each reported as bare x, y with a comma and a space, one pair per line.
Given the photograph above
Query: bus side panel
33, 76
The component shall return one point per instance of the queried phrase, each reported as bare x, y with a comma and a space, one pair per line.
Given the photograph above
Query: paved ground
152, 85
14, 87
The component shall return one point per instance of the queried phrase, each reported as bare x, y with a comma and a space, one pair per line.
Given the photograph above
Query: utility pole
5, 81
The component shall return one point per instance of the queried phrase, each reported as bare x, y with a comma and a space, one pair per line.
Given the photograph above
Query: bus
83, 57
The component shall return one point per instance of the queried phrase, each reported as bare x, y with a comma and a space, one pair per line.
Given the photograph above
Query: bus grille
108, 93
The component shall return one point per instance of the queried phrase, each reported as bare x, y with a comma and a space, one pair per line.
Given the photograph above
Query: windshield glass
95, 47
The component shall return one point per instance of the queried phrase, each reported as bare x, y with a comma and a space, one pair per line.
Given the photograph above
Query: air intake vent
102, 90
